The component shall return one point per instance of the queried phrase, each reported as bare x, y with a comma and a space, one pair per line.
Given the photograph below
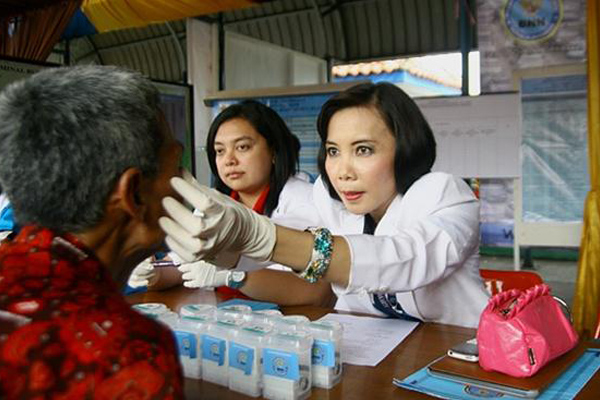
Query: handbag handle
520, 299
524, 298
527, 297
565, 308
499, 299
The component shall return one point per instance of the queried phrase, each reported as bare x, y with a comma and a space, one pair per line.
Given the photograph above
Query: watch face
238, 276
237, 279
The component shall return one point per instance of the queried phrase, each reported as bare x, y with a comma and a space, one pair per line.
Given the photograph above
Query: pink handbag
521, 331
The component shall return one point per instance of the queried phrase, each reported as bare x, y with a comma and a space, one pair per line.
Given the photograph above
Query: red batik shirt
83, 340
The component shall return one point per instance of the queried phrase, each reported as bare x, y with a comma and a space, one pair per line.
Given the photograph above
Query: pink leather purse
521, 331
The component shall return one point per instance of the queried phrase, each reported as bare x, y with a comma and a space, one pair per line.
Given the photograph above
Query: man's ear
126, 195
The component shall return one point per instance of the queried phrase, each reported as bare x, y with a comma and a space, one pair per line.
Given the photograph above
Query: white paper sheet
476, 136
369, 340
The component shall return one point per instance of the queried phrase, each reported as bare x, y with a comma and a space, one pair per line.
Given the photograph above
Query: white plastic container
169, 319
271, 315
234, 312
198, 310
215, 363
159, 312
287, 366
245, 355
188, 332
271, 312
291, 323
326, 353
152, 310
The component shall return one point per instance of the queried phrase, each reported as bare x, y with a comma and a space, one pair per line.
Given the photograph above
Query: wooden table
427, 342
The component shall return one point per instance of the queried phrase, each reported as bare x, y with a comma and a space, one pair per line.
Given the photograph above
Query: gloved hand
143, 275
201, 274
222, 224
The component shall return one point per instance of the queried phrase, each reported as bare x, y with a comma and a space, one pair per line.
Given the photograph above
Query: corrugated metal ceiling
353, 30
338, 30
158, 50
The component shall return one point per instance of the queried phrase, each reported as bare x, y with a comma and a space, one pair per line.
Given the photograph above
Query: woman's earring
273, 160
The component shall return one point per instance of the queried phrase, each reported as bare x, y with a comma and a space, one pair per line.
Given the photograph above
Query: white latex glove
143, 275
201, 274
222, 224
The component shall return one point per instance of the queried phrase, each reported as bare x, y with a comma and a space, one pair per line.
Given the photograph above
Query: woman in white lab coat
254, 159
401, 240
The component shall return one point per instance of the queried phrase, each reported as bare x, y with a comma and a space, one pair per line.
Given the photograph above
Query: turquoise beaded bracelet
321, 255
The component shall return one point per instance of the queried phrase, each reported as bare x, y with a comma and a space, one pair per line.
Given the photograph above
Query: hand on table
143, 275
201, 274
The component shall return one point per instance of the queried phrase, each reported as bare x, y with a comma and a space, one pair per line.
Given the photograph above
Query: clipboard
471, 373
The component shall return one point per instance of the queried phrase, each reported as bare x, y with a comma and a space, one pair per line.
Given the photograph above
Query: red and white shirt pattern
82, 340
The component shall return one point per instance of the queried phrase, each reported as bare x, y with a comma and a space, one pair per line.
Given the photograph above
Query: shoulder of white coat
438, 190
295, 183
296, 208
296, 190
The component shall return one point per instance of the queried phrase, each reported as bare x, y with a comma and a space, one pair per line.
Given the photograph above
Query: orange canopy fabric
108, 15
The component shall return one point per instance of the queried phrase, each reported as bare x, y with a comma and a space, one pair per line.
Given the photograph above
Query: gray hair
67, 135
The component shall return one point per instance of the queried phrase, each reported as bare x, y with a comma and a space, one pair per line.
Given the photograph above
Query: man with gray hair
85, 158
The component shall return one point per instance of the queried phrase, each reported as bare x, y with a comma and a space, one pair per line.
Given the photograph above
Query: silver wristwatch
236, 279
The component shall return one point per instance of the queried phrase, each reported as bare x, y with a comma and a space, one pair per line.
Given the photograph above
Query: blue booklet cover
564, 388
